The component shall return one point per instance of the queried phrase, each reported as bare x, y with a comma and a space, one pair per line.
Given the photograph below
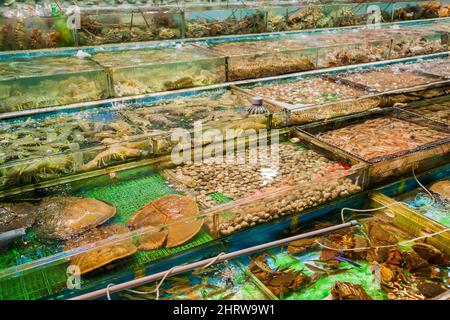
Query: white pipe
207, 262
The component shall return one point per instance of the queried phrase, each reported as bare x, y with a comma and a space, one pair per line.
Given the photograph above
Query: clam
16, 215
64, 217
165, 214
103, 253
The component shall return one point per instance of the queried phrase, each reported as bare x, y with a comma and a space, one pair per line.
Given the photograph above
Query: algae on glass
141, 71
34, 82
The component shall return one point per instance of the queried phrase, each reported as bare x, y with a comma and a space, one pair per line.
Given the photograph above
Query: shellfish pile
310, 91
388, 79
241, 180
436, 111
381, 137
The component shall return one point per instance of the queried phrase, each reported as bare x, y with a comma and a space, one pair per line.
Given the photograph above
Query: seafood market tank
55, 146
116, 235
26, 26
34, 82
115, 26
142, 71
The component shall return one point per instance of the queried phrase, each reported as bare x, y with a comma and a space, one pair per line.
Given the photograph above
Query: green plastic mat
321, 288
128, 197
220, 198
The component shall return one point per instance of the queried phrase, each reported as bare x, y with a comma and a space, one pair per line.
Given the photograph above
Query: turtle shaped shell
103, 253
16, 215
64, 217
170, 215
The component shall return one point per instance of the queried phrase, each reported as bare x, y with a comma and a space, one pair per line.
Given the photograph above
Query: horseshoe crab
103, 253
16, 215
64, 217
442, 188
166, 211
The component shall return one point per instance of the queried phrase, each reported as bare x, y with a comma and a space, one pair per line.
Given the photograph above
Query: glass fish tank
35, 82
271, 55
390, 78
434, 202
43, 250
369, 261
403, 11
131, 25
322, 97
309, 99
437, 109
109, 236
255, 59
225, 281
28, 33
314, 15
135, 72
51, 146
283, 179
339, 265
383, 139
211, 22
401, 83
439, 67
425, 41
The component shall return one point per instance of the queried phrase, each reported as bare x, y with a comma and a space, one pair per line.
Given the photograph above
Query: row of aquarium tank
27, 26
99, 187
124, 160
39, 79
